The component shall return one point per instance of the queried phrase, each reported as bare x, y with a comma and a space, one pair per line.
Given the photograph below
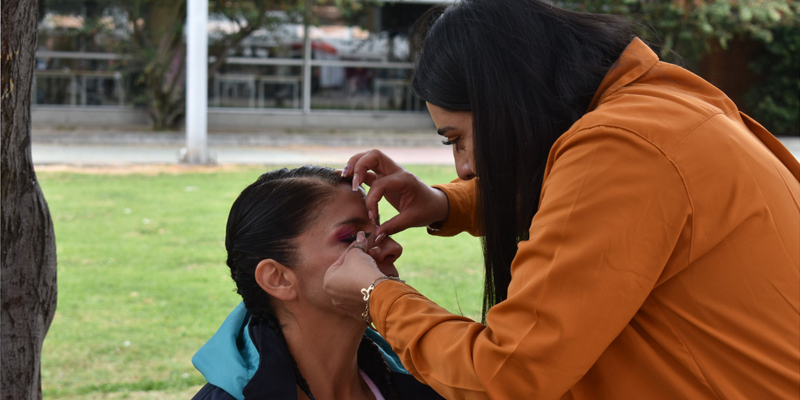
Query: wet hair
526, 70
263, 223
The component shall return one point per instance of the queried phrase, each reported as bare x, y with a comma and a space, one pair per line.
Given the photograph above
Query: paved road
130, 148
98, 155
88, 148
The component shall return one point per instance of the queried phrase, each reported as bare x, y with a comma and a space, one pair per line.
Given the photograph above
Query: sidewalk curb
265, 139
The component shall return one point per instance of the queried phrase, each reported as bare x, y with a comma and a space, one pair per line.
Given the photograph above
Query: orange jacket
664, 261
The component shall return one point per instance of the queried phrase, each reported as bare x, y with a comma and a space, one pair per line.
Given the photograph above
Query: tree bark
27, 241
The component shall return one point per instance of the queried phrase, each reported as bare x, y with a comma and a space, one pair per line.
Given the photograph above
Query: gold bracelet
367, 292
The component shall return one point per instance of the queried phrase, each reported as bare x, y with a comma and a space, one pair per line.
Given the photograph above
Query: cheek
323, 259
312, 271
461, 158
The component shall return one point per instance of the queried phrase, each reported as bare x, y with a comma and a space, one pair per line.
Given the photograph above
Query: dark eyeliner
352, 237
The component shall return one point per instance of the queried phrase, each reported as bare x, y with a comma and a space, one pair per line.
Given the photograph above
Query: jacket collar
633, 63
229, 359
274, 378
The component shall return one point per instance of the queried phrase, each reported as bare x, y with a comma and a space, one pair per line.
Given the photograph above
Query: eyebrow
353, 221
442, 131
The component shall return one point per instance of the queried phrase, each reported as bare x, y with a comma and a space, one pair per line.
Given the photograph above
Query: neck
325, 349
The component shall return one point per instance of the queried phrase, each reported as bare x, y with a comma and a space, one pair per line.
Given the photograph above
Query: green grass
142, 281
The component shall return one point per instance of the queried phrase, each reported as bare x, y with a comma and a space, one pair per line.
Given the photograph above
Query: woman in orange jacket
641, 235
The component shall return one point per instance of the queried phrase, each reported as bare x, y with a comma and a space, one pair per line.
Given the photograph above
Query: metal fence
249, 83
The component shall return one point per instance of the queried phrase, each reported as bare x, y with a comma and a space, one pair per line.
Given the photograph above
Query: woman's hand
354, 270
417, 203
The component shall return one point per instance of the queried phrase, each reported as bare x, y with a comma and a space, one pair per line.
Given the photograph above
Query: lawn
143, 284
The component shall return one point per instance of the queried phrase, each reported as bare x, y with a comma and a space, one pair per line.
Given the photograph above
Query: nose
390, 251
464, 170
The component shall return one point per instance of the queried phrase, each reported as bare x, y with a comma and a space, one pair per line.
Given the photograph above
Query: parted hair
263, 223
527, 71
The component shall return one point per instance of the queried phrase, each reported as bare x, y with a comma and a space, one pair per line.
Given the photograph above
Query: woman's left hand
353, 271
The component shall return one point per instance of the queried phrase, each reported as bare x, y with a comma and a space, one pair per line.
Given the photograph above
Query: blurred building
356, 74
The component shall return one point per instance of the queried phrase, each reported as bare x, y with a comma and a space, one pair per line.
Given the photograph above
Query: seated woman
288, 341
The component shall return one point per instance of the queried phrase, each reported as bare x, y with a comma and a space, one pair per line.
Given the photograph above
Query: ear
277, 280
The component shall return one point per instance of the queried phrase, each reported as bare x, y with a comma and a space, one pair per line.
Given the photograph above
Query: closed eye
352, 237
450, 142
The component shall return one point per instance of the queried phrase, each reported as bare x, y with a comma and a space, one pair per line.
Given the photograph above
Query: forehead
442, 117
342, 205
345, 190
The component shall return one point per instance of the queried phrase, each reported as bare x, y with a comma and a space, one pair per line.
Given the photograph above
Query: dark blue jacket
238, 367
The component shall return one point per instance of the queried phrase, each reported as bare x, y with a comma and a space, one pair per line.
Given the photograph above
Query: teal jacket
231, 359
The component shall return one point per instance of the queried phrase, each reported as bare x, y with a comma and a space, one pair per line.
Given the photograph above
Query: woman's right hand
352, 272
417, 203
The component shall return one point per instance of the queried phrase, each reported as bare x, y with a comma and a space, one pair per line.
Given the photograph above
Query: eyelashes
450, 142
351, 237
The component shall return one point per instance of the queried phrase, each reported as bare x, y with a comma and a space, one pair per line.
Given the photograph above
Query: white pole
307, 58
196, 82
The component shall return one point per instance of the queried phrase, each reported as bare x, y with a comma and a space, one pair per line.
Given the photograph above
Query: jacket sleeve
611, 211
463, 216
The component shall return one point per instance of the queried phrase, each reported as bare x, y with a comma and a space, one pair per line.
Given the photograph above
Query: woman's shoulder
662, 107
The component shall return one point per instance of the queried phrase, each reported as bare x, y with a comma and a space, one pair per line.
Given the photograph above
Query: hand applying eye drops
353, 271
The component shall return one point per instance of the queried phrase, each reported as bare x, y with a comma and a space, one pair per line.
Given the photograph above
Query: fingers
370, 177
374, 252
348, 168
360, 243
357, 246
398, 223
371, 201
397, 183
374, 160
404, 191
393, 188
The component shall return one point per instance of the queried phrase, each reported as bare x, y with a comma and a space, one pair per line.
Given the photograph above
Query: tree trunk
28, 256
165, 72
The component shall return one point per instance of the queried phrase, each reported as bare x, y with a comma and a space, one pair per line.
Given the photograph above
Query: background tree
155, 52
686, 31
691, 28
776, 98
156, 48
28, 256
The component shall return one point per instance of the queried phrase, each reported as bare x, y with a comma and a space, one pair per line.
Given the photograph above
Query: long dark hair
263, 223
527, 71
